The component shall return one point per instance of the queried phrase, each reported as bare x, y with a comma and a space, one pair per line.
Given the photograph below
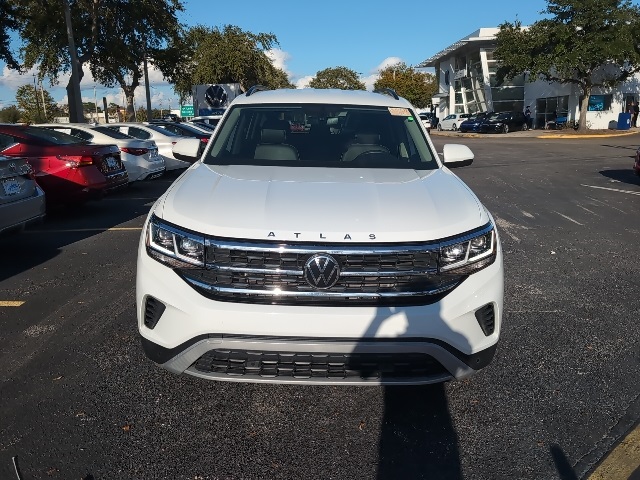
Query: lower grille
295, 365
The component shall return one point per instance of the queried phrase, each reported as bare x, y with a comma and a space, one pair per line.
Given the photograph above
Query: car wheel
525, 127
505, 129
454, 127
439, 127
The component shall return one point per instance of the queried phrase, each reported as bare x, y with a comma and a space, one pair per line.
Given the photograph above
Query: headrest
268, 135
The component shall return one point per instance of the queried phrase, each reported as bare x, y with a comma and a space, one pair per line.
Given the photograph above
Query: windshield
320, 135
110, 132
53, 136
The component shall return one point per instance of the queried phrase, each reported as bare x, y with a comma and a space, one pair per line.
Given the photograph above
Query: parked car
429, 120
163, 139
504, 122
186, 130
453, 121
208, 119
140, 157
67, 168
22, 201
261, 232
472, 124
636, 165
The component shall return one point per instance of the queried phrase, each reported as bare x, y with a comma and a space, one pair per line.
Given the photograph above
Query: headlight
172, 246
469, 253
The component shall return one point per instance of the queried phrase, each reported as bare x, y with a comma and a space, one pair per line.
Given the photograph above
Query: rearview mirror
455, 155
187, 149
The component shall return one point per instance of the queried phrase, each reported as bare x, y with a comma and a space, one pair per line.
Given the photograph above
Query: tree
203, 55
586, 43
10, 114
417, 87
112, 36
337, 77
8, 22
30, 105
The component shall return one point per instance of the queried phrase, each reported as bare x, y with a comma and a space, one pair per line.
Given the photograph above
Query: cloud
303, 82
374, 73
279, 58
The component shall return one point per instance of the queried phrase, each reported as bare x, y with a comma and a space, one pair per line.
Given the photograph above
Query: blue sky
363, 36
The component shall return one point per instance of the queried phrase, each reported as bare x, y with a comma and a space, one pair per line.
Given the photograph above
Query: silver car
21, 200
164, 140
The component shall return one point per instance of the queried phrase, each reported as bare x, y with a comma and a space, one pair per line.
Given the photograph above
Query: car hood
321, 204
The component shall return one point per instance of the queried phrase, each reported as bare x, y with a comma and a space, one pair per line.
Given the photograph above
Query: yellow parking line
622, 461
10, 303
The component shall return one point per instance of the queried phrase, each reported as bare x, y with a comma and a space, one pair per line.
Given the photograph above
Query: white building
466, 74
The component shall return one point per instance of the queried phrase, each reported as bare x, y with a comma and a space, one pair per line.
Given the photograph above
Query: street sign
186, 111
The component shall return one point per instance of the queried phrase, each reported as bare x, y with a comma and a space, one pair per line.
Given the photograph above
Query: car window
343, 136
6, 141
52, 136
110, 132
159, 129
139, 133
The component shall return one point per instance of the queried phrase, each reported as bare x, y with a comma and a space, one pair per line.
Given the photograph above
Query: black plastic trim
160, 354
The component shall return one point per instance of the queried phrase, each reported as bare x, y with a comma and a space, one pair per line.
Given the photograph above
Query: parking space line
11, 303
623, 461
612, 189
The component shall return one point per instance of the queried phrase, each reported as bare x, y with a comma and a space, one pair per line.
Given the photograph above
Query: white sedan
164, 139
140, 157
453, 121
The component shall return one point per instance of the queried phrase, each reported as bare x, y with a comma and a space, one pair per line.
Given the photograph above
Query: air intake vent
486, 319
153, 310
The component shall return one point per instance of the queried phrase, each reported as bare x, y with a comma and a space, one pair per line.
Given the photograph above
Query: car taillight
135, 151
204, 140
75, 161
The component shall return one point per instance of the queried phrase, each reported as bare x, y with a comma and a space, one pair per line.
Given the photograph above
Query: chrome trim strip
344, 273
321, 294
330, 249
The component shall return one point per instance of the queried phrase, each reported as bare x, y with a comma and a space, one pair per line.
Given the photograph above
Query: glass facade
550, 108
469, 89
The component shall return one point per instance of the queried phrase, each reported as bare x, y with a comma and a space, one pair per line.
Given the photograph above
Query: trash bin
624, 121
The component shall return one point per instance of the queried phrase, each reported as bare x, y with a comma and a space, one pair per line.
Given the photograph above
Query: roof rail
387, 91
255, 89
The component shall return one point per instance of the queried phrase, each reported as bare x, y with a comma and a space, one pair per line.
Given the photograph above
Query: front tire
525, 127
454, 127
439, 127
505, 129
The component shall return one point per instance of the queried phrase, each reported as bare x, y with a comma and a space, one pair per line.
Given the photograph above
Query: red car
66, 167
636, 165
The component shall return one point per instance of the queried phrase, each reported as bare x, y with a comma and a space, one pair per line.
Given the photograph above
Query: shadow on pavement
623, 176
565, 472
417, 437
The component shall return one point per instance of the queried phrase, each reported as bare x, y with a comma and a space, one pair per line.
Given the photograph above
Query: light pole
35, 95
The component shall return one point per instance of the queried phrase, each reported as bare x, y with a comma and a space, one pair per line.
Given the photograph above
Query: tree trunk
75, 111
584, 106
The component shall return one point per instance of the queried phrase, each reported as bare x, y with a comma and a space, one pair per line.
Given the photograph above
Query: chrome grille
274, 273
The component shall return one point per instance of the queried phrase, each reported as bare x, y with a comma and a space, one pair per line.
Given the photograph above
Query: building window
550, 108
598, 103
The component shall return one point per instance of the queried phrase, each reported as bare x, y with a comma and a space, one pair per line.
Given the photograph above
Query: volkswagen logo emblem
321, 271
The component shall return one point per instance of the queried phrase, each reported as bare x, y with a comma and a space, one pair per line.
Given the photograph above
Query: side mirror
455, 155
187, 150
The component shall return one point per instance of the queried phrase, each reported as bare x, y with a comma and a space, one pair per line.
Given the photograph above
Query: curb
605, 135
543, 136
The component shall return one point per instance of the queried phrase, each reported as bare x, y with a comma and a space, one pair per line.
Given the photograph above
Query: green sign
186, 111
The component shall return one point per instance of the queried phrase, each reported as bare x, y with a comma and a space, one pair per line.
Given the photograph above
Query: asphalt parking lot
80, 400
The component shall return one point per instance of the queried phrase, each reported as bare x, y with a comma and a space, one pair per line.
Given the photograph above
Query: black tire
505, 129
455, 127
439, 127
525, 127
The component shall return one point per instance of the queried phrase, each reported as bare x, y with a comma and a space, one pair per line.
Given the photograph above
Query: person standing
527, 115
634, 117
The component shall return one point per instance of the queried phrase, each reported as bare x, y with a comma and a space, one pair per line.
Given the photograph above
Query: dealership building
466, 75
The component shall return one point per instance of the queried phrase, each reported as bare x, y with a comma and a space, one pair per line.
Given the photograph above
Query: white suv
345, 253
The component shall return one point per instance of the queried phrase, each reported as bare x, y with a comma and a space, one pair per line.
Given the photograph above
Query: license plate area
112, 163
11, 186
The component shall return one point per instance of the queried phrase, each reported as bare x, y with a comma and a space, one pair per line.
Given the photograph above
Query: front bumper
352, 345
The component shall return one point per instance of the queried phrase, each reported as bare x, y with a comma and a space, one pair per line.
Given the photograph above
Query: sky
365, 36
